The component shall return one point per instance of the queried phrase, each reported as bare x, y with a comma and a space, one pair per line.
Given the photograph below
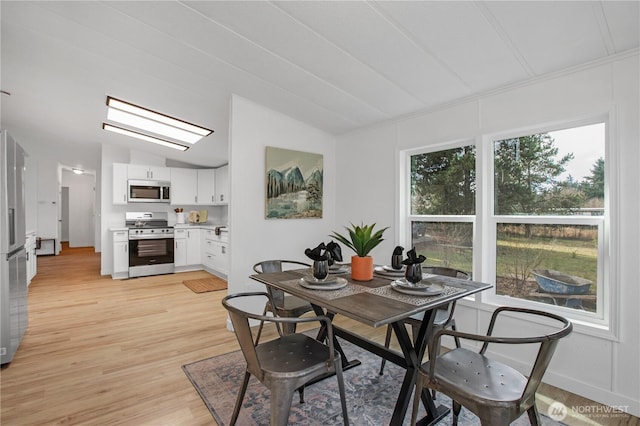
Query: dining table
380, 302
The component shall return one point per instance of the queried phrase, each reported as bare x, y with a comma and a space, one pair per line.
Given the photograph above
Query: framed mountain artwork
293, 184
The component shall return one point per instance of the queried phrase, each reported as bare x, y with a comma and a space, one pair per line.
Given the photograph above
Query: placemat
348, 290
390, 293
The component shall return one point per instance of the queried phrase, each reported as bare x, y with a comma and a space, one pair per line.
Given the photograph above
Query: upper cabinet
193, 186
206, 186
139, 171
123, 172
120, 183
222, 185
184, 186
188, 186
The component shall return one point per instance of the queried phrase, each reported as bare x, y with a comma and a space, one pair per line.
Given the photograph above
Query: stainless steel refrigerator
13, 258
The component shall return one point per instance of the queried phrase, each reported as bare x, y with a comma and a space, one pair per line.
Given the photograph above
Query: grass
570, 255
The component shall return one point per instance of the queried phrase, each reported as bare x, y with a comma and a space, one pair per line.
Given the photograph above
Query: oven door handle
151, 237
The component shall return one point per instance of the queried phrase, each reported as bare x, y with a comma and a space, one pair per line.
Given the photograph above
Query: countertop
179, 225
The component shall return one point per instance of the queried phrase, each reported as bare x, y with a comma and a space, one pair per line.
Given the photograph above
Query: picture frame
293, 184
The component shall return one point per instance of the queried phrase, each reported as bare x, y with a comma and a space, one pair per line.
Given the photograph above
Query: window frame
604, 322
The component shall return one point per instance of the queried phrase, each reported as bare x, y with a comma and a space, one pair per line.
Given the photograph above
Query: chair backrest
277, 265
448, 272
242, 328
548, 344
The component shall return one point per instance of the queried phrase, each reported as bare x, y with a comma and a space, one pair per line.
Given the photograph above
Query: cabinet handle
125, 248
213, 198
221, 197
124, 198
224, 250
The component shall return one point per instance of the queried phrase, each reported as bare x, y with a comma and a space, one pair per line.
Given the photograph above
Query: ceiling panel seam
519, 84
407, 34
504, 36
253, 75
343, 50
351, 95
603, 25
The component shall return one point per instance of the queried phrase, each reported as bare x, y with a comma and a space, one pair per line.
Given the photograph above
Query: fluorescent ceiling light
77, 171
143, 137
153, 124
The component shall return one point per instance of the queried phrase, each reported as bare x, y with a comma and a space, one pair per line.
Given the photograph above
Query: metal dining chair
444, 317
495, 392
286, 305
286, 363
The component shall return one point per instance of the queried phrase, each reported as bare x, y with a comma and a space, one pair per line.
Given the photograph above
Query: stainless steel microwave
148, 191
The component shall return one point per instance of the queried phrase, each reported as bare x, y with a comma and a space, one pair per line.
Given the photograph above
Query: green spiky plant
361, 239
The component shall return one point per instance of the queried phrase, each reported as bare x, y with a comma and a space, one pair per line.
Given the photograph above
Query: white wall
252, 237
589, 363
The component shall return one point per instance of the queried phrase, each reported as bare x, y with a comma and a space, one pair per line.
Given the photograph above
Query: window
544, 213
443, 193
549, 212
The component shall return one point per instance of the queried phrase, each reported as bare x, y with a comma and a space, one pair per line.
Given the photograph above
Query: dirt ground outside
506, 286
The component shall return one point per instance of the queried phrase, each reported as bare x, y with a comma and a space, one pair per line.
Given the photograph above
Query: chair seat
292, 307
293, 354
442, 315
466, 374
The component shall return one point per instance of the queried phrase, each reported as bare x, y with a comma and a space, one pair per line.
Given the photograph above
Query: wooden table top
374, 302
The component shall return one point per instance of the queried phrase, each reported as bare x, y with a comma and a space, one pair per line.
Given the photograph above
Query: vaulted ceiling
337, 65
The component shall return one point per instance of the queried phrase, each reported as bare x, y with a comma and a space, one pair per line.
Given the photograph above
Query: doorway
77, 209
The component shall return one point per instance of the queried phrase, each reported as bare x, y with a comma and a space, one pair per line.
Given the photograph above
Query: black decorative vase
320, 269
413, 273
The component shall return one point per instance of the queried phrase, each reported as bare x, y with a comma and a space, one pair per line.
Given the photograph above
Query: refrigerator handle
12, 227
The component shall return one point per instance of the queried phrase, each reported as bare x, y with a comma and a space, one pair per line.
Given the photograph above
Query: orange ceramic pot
362, 268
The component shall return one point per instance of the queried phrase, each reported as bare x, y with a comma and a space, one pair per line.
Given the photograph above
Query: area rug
370, 397
204, 285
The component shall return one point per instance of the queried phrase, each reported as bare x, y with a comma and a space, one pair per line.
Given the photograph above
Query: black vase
396, 261
320, 269
413, 273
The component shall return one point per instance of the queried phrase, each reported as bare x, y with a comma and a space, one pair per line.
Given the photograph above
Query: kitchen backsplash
216, 215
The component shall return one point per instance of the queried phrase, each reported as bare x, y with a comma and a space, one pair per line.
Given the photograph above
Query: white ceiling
338, 66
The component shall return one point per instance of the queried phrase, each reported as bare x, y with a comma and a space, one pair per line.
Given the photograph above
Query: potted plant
362, 239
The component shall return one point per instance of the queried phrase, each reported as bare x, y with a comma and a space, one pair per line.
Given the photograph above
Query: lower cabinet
216, 252
179, 251
187, 250
120, 254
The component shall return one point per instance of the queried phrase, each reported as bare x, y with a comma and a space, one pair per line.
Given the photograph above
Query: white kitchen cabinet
216, 252
193, 247
221, 257
187, 250
222, 185
143, 172
180, 249
120, 254
206, 186
184, 186
120, 183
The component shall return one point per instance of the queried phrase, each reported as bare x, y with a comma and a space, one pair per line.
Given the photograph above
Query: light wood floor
108, 352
